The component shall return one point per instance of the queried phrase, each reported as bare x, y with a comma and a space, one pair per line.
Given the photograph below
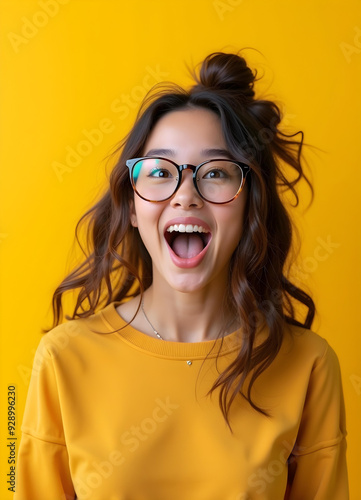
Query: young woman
184, 373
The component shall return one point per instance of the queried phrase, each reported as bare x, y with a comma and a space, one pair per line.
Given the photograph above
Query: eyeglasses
157, 179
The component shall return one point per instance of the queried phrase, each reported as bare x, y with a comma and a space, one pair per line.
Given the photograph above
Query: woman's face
189, 261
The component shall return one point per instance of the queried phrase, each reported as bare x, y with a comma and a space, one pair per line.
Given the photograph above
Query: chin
184, 282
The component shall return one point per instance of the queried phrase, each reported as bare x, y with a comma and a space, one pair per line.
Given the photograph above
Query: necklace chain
150, 324
146, 317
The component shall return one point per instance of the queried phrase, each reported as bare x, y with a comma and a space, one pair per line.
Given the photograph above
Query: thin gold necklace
152, 327
146, 317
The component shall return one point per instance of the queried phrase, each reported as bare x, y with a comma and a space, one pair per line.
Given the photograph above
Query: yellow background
88, 65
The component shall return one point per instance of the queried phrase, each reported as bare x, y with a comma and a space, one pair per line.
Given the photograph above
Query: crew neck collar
165, 348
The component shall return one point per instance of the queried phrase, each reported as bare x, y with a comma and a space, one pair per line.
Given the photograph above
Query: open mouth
187, 240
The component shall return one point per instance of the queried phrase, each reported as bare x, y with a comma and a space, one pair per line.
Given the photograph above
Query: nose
186, 195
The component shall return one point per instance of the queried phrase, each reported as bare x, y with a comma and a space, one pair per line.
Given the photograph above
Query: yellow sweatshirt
119, 415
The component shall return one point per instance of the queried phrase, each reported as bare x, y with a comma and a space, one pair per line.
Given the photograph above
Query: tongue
188, 245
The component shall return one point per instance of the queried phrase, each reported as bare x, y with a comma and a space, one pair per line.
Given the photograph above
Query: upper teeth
189, 228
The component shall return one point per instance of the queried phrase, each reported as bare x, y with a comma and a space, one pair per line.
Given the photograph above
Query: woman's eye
215, 174
161, 173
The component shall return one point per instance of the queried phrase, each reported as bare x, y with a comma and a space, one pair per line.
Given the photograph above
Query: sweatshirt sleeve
42, 468
317, 465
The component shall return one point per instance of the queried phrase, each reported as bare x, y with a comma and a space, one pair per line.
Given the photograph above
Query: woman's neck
181, 317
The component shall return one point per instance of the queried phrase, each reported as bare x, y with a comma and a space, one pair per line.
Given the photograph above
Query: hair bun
227, 72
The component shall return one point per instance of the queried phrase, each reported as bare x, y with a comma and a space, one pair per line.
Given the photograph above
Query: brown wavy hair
117, 265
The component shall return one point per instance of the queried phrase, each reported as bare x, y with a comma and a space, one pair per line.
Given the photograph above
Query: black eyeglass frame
133, 161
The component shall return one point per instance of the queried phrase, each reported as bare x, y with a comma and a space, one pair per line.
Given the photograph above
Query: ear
133, 215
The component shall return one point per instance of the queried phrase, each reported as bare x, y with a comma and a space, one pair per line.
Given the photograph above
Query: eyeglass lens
156, 179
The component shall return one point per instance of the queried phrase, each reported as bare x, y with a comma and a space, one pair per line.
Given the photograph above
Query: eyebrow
160, 152
213, 152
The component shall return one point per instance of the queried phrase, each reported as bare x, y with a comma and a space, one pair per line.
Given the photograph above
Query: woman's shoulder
306, 362
77, 333
306, 345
